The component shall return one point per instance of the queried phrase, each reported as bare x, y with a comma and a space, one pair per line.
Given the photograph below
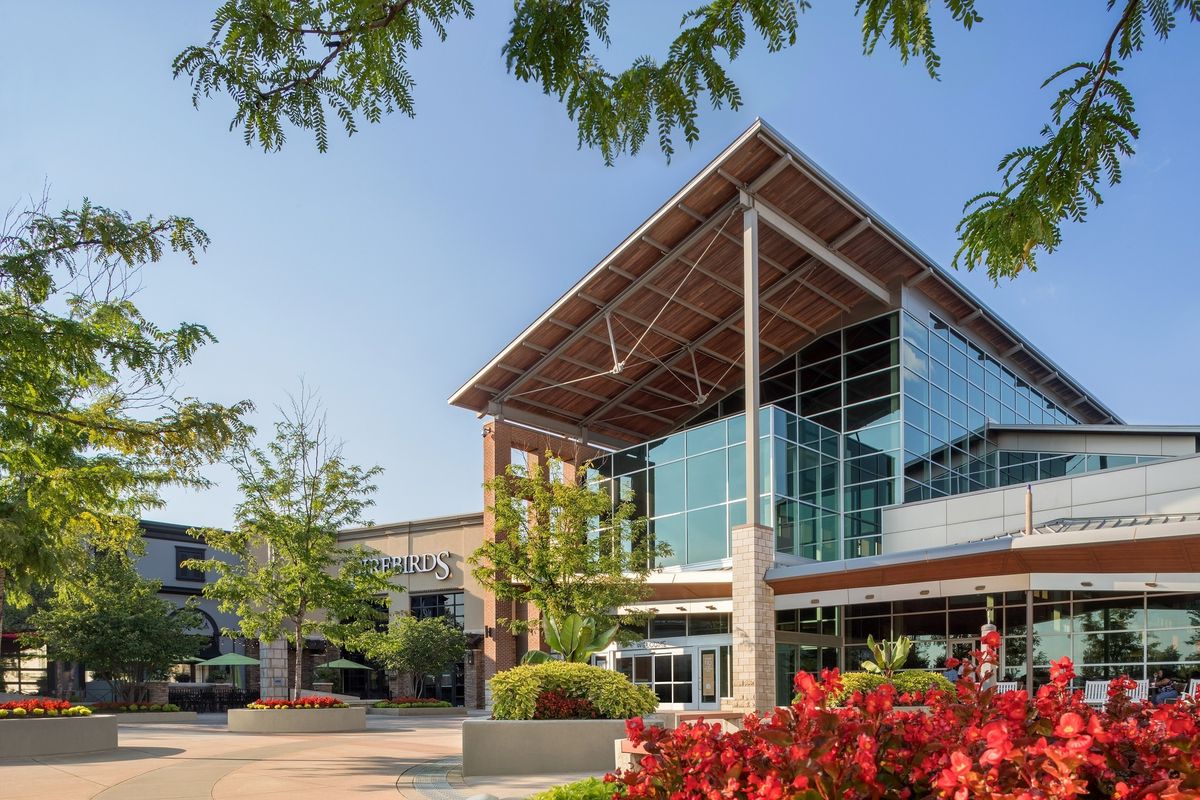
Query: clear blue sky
386, 271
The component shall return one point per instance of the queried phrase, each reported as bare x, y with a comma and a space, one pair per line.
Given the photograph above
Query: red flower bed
972, 744
36, 707
302, 703
553, 704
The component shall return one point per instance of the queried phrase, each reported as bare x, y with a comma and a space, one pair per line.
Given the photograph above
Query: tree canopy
561, 546
416, 646
108, 618
301, 61
290, 578
90, 425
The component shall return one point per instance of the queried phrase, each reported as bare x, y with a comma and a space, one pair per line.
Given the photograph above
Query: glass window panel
1109, 615
827, 346
872, 331
683, 691
871, 467
916, 387
871, 359
939, 376
928, 652
706, 479
625, 461
667, 626
786, 525
736, 456
705, 438
871, 495
1173, 645
706, 625
939, 401
664, 450
873, 412
665, 489
975, 398
916, 414
818, 375
670, 531
870, 387
708, 534
632, 489
831, 420
975, 369
663, 690
1109, 648
822, 400
967, 622
939, 427
938, 349
782, 367
857, 630
958, 362
872, 440
1172, 611
920, 625
643, 669
914, 332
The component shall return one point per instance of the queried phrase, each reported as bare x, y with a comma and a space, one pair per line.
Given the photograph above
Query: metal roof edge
938, 270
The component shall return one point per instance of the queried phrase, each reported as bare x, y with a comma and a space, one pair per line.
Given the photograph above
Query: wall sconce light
681, 608
870, 597
924, 592
980, 588
711, 608
1085, 583
814, 601
1152, 584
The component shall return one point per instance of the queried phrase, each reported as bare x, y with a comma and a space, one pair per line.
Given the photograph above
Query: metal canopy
654, 334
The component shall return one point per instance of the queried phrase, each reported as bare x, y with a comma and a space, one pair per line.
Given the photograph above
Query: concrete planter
453, 711
55, 736
533, 747
297, 720
155, 717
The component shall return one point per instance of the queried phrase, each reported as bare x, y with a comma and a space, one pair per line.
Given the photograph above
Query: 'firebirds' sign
437, 563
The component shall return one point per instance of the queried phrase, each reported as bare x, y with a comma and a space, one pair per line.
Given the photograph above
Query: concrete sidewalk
418, 758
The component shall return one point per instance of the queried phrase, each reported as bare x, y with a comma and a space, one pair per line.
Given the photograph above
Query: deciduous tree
417, 647
108, 618
561, 546
90, 425
291, 578
296, 62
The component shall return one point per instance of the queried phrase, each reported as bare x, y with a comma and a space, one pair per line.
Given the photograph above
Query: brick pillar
273, 669
157, 692
500, 647
473, 679
753, 619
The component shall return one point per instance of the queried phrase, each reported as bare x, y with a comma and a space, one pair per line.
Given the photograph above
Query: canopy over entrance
653, 334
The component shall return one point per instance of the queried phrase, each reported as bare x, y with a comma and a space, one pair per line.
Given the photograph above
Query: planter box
155, 717
453, 711
55, 736
539, 747
297, 720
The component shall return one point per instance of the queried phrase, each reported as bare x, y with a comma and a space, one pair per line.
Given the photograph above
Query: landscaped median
44, 727
551, 718
306, 715
416, 707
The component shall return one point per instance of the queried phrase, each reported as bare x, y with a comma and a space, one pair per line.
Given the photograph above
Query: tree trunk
297, 680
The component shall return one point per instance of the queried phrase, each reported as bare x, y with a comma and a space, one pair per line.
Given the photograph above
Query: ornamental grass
969, 743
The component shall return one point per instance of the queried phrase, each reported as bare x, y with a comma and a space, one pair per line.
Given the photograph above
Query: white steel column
750, 328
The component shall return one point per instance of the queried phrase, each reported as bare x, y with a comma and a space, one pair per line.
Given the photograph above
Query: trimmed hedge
515, 691
908, 682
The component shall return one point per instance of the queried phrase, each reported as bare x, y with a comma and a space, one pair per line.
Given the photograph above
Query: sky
385, 272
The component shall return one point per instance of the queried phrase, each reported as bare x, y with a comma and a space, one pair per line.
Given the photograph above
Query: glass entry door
709, 682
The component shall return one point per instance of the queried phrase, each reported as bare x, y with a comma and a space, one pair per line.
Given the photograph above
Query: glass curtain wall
691, 486
952, 389
1105, 634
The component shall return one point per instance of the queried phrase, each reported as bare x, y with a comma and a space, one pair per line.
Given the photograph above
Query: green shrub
917, 680
586, 789
908, 682
515, 691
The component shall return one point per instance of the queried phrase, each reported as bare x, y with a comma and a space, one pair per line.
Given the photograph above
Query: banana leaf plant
889, 655
576, 638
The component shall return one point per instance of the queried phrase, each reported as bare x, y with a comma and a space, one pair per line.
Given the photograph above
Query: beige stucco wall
459, 536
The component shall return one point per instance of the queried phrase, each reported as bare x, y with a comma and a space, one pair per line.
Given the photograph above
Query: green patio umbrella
230, 660
344, 663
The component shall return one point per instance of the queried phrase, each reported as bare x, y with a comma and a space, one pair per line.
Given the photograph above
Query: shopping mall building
766, 329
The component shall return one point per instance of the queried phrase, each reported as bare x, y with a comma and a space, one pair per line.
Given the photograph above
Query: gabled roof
652, 334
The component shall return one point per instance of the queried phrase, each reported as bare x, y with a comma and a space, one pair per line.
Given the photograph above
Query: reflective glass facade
1105, 634
1014, 467
691, 486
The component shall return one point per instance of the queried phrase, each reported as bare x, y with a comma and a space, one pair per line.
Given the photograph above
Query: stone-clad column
499, 646
273, 672
753, 619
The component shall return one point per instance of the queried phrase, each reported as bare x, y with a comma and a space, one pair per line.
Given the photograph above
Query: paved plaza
418, 759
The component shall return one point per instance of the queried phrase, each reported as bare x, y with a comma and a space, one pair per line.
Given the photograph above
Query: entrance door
709, 683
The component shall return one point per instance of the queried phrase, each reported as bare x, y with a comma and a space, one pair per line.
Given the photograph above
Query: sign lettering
437, 564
